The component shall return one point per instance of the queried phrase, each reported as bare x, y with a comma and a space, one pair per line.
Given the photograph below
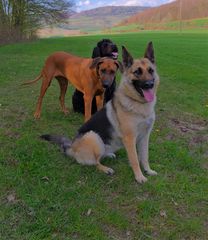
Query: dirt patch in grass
196, 134
12, 134
204, 165
11, 198
116, 234
11, 162
189, 127
15, 115
206, 224
195, 131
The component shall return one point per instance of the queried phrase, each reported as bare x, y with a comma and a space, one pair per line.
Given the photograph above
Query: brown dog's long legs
63, 83
99, 101
45, 84
88, 105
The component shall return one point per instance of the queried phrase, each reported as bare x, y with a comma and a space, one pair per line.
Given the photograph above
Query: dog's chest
145, 125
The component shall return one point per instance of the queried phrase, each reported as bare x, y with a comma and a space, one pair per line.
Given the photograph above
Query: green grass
44, 195
198, 24
125, 28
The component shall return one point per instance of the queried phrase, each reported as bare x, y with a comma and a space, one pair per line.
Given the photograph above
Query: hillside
100, 18
180, 9
110, 11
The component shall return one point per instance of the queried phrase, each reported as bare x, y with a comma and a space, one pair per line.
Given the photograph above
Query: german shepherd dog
125, 121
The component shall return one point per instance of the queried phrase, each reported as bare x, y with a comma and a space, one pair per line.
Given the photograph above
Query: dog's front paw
66, 111
151, 172
109, 171
111, 155
36, 115
141, 179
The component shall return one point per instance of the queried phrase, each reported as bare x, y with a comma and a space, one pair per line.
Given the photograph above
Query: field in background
91, 26
44, 195
200, 24
58, 32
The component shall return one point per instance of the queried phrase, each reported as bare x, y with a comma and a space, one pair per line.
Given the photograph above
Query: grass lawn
193, 25
44, 195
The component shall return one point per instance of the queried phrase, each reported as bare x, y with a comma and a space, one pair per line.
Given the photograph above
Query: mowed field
193, 25
45, 195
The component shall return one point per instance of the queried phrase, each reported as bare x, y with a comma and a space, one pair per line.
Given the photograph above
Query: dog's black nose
106, 83
148, 84
114, 48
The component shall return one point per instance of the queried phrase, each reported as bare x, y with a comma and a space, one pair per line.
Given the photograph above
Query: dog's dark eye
150, 70
112, 72
138, 72
103, 71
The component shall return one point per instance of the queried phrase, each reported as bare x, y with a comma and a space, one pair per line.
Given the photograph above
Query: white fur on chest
145, 126
142, 125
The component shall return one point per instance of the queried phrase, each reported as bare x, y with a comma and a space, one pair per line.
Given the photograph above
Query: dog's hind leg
63, 83
88, 150
105, 169
45, 84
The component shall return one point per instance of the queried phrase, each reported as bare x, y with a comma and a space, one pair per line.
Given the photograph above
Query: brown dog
88, 75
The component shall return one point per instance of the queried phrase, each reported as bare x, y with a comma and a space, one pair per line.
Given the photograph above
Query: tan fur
135, 118
88, 150
82, 73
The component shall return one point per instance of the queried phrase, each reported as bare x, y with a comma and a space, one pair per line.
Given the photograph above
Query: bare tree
19, 19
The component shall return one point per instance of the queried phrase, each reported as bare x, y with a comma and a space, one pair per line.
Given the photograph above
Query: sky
82, 5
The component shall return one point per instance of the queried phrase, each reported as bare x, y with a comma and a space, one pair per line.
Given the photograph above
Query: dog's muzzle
106, 83
114, 53
148, 84
145, 89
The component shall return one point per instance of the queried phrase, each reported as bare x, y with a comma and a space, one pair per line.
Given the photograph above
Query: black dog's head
105, 48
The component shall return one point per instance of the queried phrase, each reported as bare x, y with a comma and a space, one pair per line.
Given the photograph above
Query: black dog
104, 48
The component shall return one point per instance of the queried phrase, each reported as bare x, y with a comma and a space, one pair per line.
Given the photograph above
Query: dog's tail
63, 142
33, 81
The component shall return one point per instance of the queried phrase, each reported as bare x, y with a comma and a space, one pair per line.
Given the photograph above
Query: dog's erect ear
95, 62
127, 58
149, 53
96, 52
119, 65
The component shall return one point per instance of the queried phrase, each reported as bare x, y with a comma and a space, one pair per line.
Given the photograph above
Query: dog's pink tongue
148, 95
115, 54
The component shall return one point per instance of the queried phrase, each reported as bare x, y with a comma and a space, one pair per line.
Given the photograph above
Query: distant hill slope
110, 11
101, 18
190, 9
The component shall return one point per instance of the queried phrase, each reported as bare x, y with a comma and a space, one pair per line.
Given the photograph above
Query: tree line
20, 19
